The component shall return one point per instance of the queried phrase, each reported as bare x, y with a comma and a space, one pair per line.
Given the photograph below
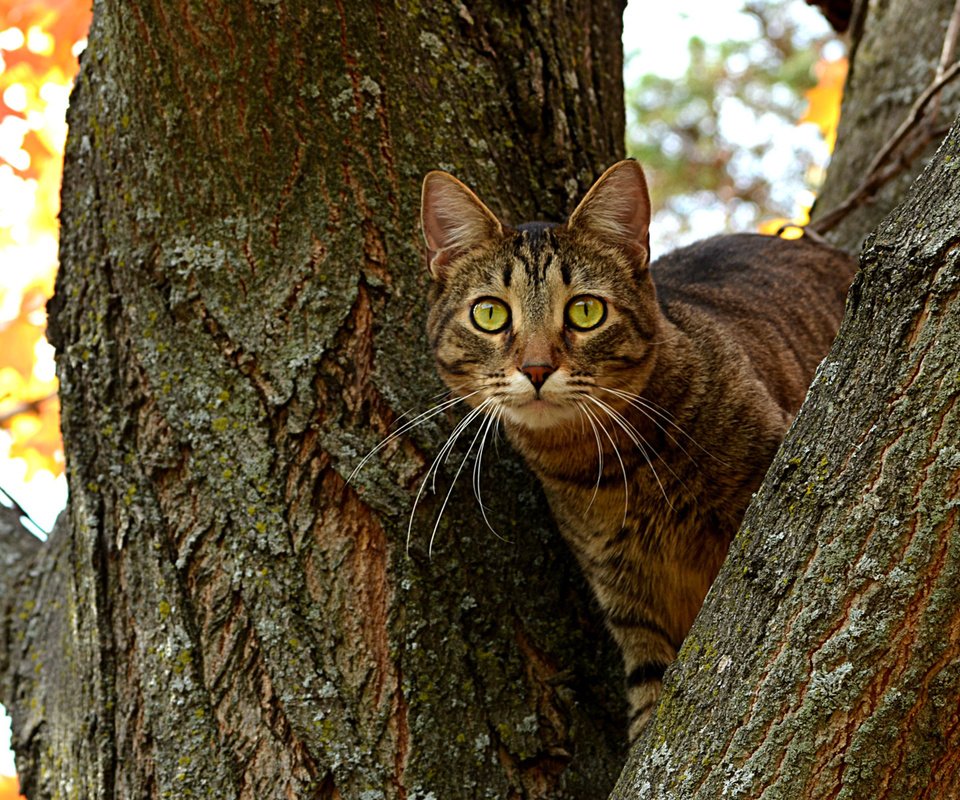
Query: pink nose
537, 373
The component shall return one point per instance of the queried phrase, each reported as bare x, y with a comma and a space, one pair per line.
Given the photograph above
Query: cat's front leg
648, 649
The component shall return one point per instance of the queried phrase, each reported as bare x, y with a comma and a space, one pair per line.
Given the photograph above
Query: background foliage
740, 140
38, 45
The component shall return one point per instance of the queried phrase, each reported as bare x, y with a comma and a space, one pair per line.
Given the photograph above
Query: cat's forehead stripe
535, 249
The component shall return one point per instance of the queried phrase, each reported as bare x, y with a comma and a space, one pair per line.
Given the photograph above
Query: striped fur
652, 430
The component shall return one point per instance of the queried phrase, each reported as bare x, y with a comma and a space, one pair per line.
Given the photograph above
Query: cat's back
780, 300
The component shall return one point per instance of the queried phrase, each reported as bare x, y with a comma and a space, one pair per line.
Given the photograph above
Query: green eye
490, 315
586, 312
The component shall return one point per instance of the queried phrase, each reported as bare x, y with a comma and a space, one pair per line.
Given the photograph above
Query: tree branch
877, 175
917, 129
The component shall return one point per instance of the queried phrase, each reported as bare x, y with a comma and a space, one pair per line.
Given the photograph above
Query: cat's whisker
639, 404
456, 475
447, 448
451, 440
596, 487
616, 450
410, 411
418, 420
492, 418
645, 404
640, 443
624, 423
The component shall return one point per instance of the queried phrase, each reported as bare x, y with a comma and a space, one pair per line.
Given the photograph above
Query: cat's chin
540, 414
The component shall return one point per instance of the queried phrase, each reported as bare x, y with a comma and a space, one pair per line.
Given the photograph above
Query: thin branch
913, 116
18, 510
947, 54
949, 42
877, 177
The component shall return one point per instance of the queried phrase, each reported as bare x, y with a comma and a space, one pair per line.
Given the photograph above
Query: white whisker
596, 434
451, 440
492, 418
616, 450
447, 448
418, 420
453, 483
633, 434
648, 407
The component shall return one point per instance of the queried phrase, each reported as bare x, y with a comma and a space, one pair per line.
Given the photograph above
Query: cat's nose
537, 373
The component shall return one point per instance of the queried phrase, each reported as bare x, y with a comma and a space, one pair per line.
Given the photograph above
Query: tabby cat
649, 399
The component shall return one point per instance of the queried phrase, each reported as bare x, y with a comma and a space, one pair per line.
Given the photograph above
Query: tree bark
238, 320
824, 663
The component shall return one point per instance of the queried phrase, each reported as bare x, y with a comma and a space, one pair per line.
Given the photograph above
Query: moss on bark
238, 319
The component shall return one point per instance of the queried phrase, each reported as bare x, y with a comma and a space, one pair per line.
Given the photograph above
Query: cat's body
650, 415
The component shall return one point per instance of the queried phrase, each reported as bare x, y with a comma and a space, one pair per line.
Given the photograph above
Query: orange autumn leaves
823, 100
37, 47
9, 788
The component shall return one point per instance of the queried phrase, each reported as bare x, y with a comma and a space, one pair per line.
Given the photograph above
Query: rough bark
824, 663
238, 319
18, 551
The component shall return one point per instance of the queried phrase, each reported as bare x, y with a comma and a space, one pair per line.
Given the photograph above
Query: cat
648, 399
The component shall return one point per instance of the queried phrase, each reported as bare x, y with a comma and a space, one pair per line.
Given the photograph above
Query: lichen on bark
238, 320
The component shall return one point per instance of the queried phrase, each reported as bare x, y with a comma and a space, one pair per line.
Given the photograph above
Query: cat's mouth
539, 412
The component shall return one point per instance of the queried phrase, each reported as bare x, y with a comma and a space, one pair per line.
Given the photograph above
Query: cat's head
535, 318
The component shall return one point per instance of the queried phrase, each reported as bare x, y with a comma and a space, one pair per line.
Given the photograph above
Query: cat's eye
586, 312
490, 315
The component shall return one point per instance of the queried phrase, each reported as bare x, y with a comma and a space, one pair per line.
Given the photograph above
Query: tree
238, 317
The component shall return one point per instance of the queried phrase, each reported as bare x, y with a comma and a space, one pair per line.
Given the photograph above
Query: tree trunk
238, 320
824, 663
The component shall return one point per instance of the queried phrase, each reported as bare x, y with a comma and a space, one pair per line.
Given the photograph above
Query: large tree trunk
824, 663
238, 319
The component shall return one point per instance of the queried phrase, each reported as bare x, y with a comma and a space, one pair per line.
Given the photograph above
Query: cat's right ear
454, 220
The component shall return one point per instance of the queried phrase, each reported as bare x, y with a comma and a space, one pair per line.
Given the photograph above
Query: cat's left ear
454, 220
616, 211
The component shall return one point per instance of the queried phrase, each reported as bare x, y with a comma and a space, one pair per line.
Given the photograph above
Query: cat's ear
454, 220
616, 210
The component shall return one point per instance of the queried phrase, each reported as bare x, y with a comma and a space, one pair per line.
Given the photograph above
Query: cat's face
540, 323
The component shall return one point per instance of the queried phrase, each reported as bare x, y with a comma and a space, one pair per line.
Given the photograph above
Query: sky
655, 39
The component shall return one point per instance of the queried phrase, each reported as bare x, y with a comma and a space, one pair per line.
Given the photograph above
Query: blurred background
731, 108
